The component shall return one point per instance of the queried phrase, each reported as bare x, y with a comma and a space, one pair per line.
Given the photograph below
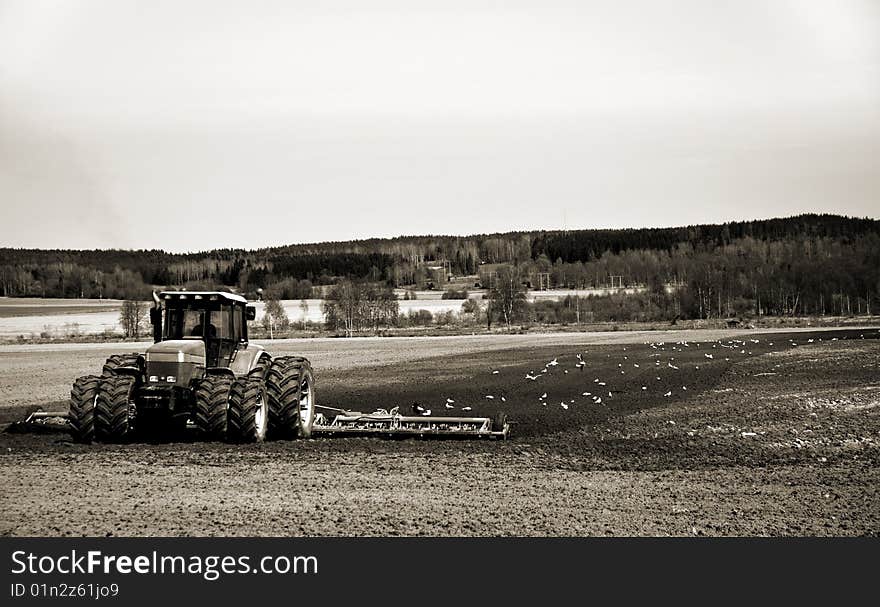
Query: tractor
200, 370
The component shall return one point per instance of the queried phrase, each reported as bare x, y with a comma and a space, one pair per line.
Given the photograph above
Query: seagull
644, 387
586, 393
495, 372
552, 363
564, 406
636, 365
671, 366
489, 396
684, 388
503, 400
448, 406
668, 393
419, 408
709, 356
465, 408
449, 400
599, 401
601, 383
532, 377
543, 396
426, 412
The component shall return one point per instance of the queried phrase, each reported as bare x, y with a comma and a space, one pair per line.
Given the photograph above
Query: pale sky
190, 125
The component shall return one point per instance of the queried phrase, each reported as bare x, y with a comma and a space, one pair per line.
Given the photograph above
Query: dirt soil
722, 433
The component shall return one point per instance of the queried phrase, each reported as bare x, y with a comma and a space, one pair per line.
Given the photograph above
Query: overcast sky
191, 125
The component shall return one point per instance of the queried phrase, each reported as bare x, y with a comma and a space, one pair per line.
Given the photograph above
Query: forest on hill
808, 264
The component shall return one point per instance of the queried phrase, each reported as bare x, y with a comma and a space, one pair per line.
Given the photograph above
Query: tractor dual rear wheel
119, 360
83, 395
291, 388
248, 417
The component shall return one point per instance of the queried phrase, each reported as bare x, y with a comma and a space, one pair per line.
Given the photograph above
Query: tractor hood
178, 351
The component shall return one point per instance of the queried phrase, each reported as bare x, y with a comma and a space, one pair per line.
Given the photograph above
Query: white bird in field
553, 363
419, 408
448, 406
596, 381
566, 371
495, 372
426, 412
668, 393
449, 400
636, 365
599, 401
465, 408
564, 406
684, 388
532, 377
586, 394
709, 356
543, 396
503, 400
671, 366
490, 397
601, 383
644, 387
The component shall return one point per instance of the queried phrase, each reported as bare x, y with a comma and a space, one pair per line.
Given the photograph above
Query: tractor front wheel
212, 405
83, 395
114, 407
248, 416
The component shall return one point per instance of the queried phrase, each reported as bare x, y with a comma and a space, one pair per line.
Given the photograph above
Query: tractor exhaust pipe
156, 318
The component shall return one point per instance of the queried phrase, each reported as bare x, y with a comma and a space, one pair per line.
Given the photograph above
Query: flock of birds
661, 360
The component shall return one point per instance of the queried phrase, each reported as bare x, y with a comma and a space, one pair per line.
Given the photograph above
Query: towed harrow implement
341, 422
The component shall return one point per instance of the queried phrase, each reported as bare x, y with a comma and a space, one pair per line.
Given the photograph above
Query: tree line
809, 264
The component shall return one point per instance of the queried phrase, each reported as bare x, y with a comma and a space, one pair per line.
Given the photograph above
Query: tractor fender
248, 358
132, 371
219, 371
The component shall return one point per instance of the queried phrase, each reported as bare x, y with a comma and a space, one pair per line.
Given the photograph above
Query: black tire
498, 421
248, 416
119, 360
83, 394
291, 388
212, 405
262, 367
113, 410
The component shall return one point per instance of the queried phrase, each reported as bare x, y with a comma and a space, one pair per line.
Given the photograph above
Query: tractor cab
217, 319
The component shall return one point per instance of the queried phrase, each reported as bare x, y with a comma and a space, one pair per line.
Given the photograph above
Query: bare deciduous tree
508, 295
274, 316
131, 317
